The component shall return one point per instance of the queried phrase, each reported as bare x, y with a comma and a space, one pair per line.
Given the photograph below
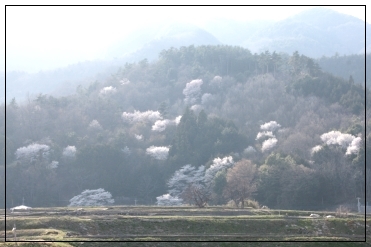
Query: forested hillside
351, 67
218, 109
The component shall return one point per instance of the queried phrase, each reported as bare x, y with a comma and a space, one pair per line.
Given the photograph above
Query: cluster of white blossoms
69, 151
126, 150
54, 164
98, 197
124, 81
137, 116
348, 141
107, 90
315, 149
267, 131
249, 150
192, 91
138, 137
177, 120
189, 175
337, 138
183, 177
159, 153
270, 126
161, 125
354, 146
269, 144
217, 78
168, 200
196, 108
37, 152
31, 152
218, 165
264, 134
95, 125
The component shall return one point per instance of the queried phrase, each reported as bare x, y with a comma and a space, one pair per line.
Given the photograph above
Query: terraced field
179, 224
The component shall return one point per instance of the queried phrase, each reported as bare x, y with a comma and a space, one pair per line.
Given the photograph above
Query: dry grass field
89, 225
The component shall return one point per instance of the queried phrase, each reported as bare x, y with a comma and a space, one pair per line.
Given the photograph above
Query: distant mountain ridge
148, 42
315, 33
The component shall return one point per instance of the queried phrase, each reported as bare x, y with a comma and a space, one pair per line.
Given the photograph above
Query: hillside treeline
303, 129
351, 67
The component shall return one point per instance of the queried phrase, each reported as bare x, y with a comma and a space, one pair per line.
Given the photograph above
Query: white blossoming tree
98, 197
349, 142
218, 165
159, 153
33, 152
95, 125
264, 134
168, 200
269, 144
267, 135
161, 125
137, 116
354, 146
186, 180
192, 184
249, 150
69, 151
192, 91
54, 164
107, 90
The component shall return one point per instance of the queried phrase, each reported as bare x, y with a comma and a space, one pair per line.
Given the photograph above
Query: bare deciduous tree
197, 194
241, 182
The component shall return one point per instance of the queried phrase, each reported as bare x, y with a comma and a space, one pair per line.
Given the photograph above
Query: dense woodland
301, 132
350, 67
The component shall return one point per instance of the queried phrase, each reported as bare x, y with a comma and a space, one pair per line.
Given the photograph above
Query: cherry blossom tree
168, 200
137, 116
32, 152
192, 91
159, 153
69, 151
98, 197
194, 185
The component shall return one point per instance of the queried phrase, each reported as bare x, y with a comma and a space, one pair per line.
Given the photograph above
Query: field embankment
180, 224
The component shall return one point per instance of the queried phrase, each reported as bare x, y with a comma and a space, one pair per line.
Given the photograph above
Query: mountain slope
131, 131
316, 32
147, 42
233, 32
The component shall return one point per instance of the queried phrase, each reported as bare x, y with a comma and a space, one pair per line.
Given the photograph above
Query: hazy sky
41, 38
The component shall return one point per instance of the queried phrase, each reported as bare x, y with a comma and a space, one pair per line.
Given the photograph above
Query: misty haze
213, 129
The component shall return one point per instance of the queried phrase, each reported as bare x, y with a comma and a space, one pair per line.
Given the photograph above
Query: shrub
252, 204
231, 204
342, 211
247, 202
168, 200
